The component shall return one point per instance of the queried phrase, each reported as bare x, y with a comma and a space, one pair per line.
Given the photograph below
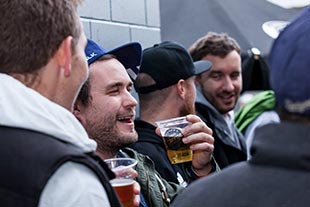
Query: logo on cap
91, 55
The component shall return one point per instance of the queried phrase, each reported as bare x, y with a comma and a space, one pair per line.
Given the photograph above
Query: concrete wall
114, 22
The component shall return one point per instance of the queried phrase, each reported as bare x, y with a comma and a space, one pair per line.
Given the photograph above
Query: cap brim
129, 54
202, 66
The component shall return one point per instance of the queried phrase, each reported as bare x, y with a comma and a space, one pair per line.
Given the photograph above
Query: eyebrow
215, 72
117, 84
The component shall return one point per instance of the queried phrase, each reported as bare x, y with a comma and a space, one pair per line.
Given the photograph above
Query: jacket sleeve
169, 190
73, 184
156, 190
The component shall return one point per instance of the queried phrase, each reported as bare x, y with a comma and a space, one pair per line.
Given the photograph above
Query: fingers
157, 131
200, 144
198, 134
197, 126
123, 171
136, 191
136, 187
134, 173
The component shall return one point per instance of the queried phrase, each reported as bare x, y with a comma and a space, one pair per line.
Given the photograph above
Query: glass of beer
171, 131
123, 183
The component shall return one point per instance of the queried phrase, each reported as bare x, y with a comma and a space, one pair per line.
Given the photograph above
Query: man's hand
136, 186
136, 191
199, 136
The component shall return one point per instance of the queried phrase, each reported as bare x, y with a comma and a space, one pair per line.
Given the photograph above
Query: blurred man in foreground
278, 172
47, 157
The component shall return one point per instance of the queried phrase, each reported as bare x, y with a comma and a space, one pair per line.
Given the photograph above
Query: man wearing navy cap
166, 89
106, 109
278, 172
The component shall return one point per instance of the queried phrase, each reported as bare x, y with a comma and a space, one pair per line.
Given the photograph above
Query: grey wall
114, 22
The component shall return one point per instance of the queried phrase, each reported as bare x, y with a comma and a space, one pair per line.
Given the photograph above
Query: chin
223, 109
131, 135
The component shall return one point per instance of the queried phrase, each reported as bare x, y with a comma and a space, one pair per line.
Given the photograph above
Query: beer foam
121, 182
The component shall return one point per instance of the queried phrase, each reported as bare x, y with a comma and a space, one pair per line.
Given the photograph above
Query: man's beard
225, 110
187, 109
107, 136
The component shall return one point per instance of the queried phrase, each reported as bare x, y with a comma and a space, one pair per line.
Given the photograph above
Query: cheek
238, 84
96, 116
108, 106
102, 106
190, 99
209, 87
193, 91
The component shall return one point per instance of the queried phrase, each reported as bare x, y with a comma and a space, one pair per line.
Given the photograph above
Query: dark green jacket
157, 192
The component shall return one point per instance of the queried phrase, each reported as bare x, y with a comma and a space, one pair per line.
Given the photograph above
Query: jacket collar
23, 107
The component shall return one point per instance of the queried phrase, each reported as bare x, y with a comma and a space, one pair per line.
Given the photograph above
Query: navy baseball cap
290, 66
167, 63
129, 55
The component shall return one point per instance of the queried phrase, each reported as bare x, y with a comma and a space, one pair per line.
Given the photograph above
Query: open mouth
227, 99
126, 119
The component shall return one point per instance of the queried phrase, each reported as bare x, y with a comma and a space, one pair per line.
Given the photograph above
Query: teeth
123, 118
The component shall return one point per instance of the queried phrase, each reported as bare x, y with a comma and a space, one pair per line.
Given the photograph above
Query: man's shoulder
48, 155
132, 153
203, 112
62, 187
143, 125
226, 181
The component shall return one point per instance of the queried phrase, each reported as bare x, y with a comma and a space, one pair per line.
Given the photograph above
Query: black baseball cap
167, 63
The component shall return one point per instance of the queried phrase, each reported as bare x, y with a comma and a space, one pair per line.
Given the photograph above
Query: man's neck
151, 118
105, 155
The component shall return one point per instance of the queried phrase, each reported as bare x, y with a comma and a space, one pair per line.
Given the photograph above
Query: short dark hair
32, 31
213, 44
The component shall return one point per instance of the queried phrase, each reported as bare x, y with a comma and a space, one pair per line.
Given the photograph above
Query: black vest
29, 159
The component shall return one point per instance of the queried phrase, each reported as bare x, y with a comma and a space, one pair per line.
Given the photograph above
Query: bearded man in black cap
166, 89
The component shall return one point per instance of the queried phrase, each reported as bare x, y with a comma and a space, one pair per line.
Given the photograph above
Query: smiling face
109, 116
222, 84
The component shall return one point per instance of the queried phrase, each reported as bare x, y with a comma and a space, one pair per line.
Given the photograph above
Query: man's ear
197, 80
181, 89
64, 56
78, 112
